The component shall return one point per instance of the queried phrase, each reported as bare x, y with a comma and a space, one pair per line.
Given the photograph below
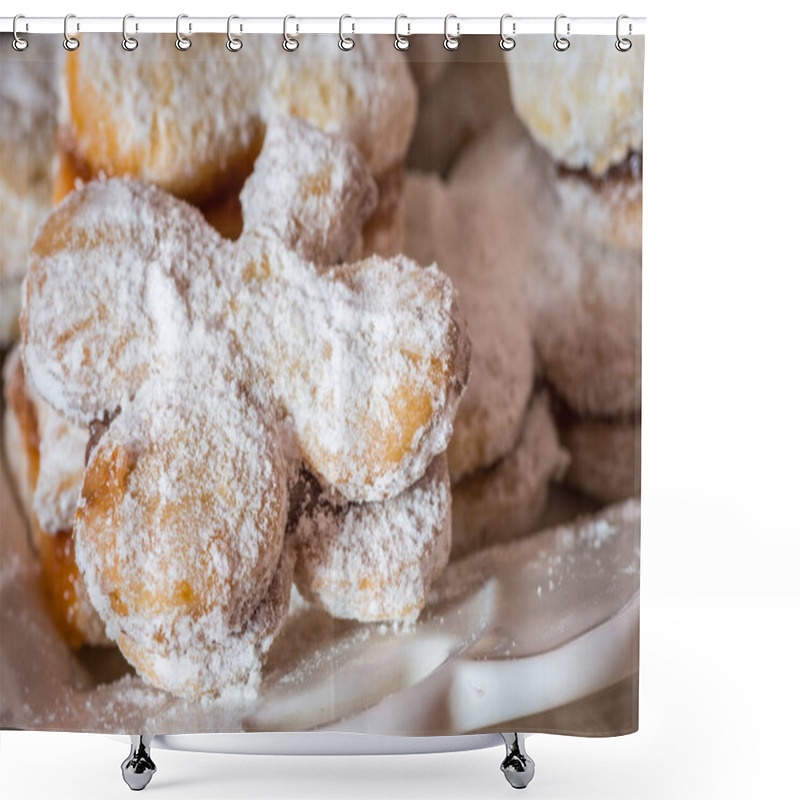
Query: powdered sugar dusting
607, 210
475, 613
371, 361
62, 449
179, 531
164, 116
108, 294
366, 95
312, 191
373, 561
584, 105
172, 118
138, 313
598, 549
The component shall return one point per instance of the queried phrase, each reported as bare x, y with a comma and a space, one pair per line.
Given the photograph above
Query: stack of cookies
160, 356
193, 122
583, 108
279, 329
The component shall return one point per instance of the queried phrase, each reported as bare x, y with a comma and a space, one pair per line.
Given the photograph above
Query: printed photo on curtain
321, 385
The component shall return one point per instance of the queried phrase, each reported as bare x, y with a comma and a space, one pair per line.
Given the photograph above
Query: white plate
507, 633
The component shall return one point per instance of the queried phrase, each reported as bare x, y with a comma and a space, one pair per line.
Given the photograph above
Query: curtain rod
406, 26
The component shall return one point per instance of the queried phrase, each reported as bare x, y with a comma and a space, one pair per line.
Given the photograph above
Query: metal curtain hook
401, 42
507, 42
290, 44
346, 42
623, 44
451, 42
181, 42
70, 42
129, 43
18, 43
233, 44
561, 43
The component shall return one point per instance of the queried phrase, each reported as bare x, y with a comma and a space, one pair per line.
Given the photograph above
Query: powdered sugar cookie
369, 360
452, 227
194, 125
191, 668
20, 434
312, 191
588, 329
366, 95
583, 105
482, 227
605, 456
164, 116
606, 210
46, 455
179, 532
112, 275
62, 454
62, 451
506, 500
364, 362
584, 296
383, 233
72, 611
373, 562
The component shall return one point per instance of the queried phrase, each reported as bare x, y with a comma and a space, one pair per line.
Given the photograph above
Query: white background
721, 538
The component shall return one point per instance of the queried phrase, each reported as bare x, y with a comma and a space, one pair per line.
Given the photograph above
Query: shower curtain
321, 385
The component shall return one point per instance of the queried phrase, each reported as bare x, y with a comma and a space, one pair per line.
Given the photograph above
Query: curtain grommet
70, 43
233, 44
129, 43
290, 43
561, 43
451, 42
401, 42
507, 42
17, 42
623, 44
182, 42
346, 43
